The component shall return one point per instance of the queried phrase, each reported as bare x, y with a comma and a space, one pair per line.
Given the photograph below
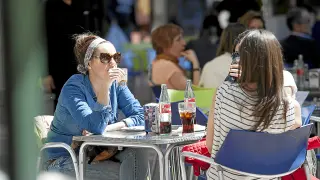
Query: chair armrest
314, 118
198, 156
192, 155
220, 167
66, 147
57, 145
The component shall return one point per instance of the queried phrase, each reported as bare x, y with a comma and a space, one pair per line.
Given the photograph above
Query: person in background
229, 11
89, 102
123, 12
252, 20
63, 18
168, 42
300, 40
208, 40
143, 18
216, 70
245, 100
316, 29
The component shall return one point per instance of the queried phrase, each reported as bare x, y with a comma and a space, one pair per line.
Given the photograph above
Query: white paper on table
133, 128
301, 96
197, 127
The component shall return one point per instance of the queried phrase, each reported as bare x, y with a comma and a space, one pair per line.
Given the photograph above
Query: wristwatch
125, 122
196, 69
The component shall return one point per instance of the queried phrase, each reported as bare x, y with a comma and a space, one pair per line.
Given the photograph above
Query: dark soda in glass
165, 127
187, 119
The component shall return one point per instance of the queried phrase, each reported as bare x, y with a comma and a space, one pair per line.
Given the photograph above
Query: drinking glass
124, 79
187, 112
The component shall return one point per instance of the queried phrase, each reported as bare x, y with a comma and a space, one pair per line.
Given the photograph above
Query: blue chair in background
306, 113
151, 55
261, 155
156, 91
185, 64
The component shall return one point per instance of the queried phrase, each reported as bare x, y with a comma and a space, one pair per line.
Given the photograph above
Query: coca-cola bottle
188, 93
190, 97
164, 111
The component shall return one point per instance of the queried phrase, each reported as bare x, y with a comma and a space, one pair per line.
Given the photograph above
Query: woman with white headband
89, 103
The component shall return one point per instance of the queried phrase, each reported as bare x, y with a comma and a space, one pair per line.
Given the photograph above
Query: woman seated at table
168, 42
215, 71
89, 102
256, 100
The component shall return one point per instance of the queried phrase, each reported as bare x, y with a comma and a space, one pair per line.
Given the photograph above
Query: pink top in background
162, 71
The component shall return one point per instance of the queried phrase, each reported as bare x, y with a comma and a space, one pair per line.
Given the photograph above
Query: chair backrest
201, 118
156, 91
306, 113
42, 126
203, 97
151, 55
264, 153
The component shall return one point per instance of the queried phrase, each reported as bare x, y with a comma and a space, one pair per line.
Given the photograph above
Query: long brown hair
250, 15
261, 63
229, 34
163, 37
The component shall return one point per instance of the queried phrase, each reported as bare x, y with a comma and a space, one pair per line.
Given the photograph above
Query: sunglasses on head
106, 57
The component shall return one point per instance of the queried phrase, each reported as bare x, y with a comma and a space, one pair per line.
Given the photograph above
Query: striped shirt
233, 110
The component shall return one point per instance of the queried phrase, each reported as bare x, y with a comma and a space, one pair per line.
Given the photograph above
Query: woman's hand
192, 57
116, 74
115, 127
234, 70
85, 133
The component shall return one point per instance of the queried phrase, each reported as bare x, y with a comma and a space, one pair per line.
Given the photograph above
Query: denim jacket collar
88, 84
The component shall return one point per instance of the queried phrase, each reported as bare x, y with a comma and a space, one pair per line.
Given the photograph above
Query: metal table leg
166, 160
177, 165
82, 154
318, 150
317, 120
172, 166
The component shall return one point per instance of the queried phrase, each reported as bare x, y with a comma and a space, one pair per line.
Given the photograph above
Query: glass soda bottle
164, 111
190, 97
188, 93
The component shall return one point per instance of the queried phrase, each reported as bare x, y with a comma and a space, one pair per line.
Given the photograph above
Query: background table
138, 140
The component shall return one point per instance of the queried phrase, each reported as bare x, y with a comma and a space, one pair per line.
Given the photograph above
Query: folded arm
130, 107
93, 119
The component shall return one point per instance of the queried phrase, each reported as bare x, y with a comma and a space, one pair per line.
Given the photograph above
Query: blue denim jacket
78, 110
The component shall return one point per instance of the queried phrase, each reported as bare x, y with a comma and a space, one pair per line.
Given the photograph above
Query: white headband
83, 68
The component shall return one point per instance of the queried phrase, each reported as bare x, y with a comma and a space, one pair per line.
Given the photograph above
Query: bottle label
299, 72
190, 100
165, 108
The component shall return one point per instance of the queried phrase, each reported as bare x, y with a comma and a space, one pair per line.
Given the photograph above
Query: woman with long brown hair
168, 42
256, 101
